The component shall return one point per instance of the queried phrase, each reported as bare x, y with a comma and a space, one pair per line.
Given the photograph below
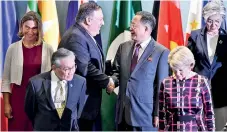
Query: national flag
155, 12
32, 6
123, 12
170, 33
73, 7
49, 17
194, 17
9, 30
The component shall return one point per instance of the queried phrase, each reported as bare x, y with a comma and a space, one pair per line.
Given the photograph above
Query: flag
123, 12
9, 30
194, 17
49, 17
170, 33
155, 12
32, 6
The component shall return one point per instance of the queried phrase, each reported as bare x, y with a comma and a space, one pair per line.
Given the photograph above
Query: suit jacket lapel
220, 45
129, 53
47, 88
147, 52
203, 39
91, 41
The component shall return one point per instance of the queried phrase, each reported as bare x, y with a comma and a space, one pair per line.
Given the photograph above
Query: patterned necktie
135, 57
60, 110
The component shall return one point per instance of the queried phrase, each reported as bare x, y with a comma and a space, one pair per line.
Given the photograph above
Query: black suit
90, 64
40, 108
215, 72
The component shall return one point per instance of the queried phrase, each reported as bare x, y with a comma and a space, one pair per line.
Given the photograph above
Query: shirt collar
55, 78
145, 43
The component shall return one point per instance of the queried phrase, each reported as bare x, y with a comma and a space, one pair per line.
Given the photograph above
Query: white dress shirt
211, 46
54, 88
143, 47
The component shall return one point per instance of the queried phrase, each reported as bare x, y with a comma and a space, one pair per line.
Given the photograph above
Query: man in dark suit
55, 99
90, 59
141, 64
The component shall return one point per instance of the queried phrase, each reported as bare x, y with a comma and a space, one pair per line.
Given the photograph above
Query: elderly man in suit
142, 65
90, 59
55, 99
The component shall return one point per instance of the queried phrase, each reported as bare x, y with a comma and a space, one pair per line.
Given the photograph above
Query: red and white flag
194, 17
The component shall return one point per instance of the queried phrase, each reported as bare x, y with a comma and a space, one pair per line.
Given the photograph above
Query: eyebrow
31, 27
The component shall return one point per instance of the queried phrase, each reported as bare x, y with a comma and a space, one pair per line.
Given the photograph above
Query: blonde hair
31, 15
180, 57
212, 8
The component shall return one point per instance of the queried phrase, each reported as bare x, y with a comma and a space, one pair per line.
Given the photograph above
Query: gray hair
214, 7
61, 54
86, 9
180, 57
147, 18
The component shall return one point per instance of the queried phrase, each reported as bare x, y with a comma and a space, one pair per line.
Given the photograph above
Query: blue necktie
135, 57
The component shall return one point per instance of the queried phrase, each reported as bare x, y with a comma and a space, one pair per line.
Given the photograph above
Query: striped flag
10, 26
49, 17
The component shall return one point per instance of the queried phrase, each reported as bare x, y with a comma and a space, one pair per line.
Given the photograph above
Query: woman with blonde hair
185, 102
209, 46
24, 59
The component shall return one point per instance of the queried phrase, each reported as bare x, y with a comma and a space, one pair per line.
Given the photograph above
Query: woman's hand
8, 111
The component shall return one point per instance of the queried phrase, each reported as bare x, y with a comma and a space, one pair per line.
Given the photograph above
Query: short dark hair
86, 10
60, 54
147, 18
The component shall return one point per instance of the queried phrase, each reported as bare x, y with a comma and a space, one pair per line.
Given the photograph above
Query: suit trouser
123, 126
220, 117
90, 125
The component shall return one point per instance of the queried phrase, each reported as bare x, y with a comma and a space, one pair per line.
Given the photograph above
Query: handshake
113, 83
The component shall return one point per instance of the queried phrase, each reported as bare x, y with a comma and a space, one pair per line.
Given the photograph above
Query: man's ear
53, 67
88, 21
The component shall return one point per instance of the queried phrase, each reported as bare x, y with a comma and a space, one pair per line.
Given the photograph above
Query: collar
145, 43
54, 78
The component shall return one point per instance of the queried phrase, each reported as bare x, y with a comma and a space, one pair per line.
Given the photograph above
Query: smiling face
139, 31
30, 30
95, 22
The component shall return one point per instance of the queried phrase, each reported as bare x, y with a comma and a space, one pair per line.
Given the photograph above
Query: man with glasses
141, 65
54, 100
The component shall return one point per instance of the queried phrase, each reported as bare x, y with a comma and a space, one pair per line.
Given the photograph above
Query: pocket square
149, 59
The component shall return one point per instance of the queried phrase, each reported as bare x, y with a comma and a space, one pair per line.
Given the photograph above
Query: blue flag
8, 35
71, 15
9, 28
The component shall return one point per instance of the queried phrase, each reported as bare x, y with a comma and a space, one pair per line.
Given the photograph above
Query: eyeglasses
68, 69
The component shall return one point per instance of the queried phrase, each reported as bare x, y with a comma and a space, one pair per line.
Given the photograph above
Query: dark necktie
135, 57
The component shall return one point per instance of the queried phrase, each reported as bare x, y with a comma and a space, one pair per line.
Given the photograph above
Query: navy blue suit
215, 71
40, 108
90, 64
